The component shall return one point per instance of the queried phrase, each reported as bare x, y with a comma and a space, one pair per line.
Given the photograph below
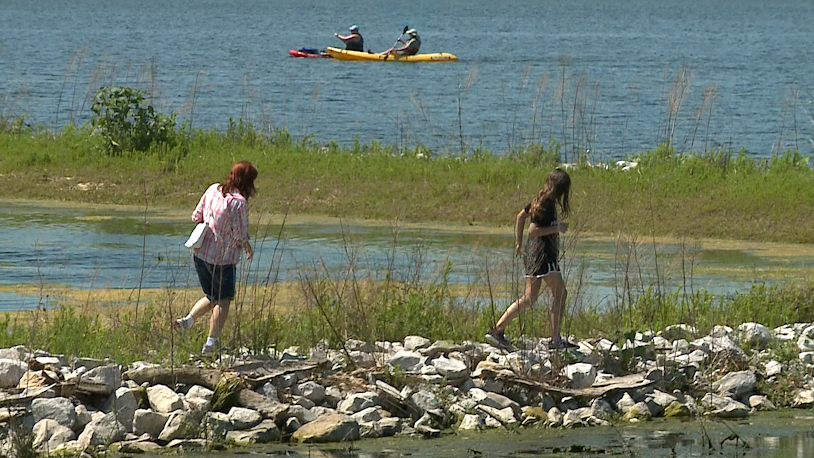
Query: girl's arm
519, 225
542, 231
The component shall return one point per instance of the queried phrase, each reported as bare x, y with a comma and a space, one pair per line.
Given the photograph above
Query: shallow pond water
787, 434
83, 246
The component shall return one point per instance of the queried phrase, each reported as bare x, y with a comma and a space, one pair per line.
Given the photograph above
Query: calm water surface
112, 247
210, 60
778, 435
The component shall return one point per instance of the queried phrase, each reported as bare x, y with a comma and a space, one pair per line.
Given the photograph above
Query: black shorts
217, 282
540, 259
540, 267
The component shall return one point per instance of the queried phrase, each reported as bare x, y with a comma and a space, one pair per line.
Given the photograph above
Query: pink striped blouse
227, 218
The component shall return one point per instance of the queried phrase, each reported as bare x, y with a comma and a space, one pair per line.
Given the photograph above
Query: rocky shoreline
413, 387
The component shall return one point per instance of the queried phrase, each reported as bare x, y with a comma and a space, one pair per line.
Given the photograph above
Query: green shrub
128, 123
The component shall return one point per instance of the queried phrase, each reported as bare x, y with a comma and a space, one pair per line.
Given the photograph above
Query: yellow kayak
343, 54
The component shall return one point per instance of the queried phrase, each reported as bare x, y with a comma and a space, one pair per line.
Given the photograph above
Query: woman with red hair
224, 209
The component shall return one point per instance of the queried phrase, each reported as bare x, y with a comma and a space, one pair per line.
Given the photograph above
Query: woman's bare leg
201, 308
219, 313
525, 302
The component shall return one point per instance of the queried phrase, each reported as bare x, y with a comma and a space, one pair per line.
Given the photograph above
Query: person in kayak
354, 41
409, 47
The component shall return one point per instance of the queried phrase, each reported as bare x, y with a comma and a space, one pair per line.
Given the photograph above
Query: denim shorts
217, 282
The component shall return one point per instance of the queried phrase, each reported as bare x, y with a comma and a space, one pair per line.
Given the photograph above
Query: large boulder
803, 398
124, 404
16, 353
180, 425
49, 434
102, 380
11, 371
60, 410
506, 417
302, 414
471, 422
243, 418
581, 375
330, 428
199, 392
265, 432
102, 431
755, 334
408, 361
736, 384
416, 342
312, 391
625, 403
426, 400
358, 402
146, 421
217, 424
715, 345
601, 409
163, 399
451, 369
368, 415
724, 407
760, 402
495, 400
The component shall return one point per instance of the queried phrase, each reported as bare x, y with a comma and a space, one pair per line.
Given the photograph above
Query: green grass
726, 195
718, 195
331, 307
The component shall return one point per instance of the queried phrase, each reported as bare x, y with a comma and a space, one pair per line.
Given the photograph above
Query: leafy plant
128, 123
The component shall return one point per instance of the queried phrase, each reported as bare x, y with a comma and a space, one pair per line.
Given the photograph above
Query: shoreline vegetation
683, 339
717, 194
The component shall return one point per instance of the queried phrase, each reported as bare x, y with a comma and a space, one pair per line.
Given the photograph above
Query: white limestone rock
163, 399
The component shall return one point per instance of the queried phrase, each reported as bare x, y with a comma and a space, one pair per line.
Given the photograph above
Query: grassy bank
726, 195
329, 309
717, 195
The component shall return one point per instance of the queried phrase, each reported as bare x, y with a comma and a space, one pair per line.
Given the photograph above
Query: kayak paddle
406, 28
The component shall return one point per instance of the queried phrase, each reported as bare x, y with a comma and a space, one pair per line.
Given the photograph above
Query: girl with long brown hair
540, 256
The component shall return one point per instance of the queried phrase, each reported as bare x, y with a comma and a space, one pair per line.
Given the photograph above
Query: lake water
610, 66
88, 247
767, 435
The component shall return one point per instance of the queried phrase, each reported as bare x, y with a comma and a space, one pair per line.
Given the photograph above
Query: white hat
354, 28
412, 32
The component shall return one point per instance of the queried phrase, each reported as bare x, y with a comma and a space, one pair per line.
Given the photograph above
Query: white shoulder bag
196, 238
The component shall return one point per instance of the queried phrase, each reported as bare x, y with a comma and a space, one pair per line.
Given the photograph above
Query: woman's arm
197, 215
542, 231
239, 214
519, 225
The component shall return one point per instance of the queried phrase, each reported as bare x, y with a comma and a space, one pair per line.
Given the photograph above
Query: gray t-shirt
411, 47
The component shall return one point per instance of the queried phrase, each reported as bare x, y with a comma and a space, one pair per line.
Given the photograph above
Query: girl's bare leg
525, 302
559, 294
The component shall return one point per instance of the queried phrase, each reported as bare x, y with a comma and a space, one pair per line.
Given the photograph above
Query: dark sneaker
558, 343
497, 338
